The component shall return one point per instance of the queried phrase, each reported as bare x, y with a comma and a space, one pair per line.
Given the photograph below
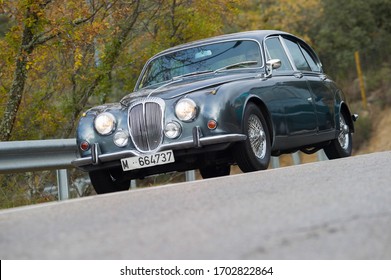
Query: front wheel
254, 153
107, 181
341, 146
215, 171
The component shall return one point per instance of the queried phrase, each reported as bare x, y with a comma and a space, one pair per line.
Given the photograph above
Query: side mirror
271, 65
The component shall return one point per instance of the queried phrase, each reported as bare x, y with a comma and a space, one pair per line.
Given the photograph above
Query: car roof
257, 35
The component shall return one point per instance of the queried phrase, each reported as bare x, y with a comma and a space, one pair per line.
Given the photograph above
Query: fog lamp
172, 130
121, 138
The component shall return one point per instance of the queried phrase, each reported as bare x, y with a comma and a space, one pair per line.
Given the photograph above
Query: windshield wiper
192, 74
178, 79
236, 65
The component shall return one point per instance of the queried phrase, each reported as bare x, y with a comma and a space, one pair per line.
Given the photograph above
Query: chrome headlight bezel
186, 110
105, 123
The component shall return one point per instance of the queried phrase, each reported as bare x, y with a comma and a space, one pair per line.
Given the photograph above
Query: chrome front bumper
97, 158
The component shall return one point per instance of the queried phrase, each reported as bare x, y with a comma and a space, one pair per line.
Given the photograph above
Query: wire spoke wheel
344, 134
257, 136
341, 146
254, 153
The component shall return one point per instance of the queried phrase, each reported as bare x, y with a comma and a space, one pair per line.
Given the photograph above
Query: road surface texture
338, 209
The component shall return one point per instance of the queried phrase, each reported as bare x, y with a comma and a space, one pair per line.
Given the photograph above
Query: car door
307, 63
292, 92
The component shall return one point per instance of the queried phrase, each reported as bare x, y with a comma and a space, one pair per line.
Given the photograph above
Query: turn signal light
84, 146
212, 124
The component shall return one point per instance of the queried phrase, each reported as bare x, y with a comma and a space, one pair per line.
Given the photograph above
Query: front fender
86, 132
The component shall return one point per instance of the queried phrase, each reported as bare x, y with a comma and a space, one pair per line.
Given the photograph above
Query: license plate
147, 160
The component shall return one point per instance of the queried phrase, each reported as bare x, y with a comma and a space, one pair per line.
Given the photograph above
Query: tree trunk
20, 75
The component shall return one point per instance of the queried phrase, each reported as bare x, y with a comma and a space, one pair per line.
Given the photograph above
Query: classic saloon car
207, 105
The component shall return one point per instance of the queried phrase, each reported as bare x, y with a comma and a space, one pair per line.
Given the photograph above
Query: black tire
254, 153
103, 181
215, 171
341, 146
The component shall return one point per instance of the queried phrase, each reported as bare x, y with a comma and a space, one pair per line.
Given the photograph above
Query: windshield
201, 60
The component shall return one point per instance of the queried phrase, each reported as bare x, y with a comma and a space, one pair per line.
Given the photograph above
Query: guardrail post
190, 175
63, 184
296, 158
321, 155
275, 162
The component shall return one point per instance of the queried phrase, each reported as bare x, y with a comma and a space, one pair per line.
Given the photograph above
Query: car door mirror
271, 65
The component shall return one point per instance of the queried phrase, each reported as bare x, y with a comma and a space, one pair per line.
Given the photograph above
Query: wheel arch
344, 110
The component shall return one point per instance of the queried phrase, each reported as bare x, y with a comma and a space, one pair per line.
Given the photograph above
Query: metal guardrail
39, 155
35, 155
57, 154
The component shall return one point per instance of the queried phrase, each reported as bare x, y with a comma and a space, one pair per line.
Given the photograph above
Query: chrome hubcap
344, 135
257, 136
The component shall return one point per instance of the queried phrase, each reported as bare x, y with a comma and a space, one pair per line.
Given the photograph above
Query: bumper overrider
97, 160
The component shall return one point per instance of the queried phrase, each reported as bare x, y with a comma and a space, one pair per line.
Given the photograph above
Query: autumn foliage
58, 58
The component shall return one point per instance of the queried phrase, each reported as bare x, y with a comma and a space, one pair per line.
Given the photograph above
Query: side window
275, 50
311, 61
298, 57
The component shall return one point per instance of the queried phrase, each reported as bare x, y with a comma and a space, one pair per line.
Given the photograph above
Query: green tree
299, 17
346, 27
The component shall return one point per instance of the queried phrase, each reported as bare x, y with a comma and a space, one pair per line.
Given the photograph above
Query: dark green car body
297, 106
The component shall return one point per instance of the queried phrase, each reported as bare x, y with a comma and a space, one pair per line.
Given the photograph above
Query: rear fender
344, 110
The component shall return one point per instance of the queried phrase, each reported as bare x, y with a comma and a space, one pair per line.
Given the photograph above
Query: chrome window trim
288, 53
312, 55
284, 48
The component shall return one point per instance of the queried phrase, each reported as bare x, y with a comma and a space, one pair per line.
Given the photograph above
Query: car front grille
146, 123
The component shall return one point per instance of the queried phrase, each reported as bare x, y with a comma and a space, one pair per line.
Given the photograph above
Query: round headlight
186, 110
172, 130
121, 138
104, 123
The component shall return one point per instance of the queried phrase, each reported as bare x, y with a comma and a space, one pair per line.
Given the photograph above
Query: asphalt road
337, 209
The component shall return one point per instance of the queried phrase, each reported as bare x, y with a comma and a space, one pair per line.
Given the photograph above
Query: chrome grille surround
145, 122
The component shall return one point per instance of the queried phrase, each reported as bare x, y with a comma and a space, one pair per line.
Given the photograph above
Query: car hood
177, 88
